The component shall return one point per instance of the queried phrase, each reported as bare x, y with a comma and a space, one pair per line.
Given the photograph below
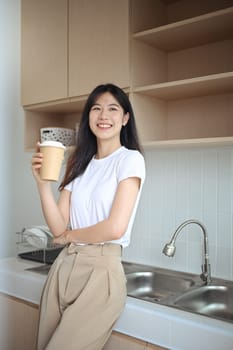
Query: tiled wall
181, 184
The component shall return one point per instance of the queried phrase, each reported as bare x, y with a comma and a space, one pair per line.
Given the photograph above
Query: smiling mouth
104, 126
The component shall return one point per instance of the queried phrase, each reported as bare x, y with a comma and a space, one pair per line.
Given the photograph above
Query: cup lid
52, 144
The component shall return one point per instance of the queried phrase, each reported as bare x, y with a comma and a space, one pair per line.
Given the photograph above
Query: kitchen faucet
170, 248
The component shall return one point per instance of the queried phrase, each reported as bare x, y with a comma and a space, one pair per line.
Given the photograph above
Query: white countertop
157, 324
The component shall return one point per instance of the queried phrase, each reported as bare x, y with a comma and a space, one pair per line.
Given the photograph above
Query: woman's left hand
63, 239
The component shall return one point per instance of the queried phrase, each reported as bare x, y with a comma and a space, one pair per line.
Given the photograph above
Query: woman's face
106, 118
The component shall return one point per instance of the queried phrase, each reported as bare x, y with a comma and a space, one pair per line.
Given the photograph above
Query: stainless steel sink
180, 290
155, 285
212, 300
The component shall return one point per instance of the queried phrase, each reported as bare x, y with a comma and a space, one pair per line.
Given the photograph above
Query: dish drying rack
45, 255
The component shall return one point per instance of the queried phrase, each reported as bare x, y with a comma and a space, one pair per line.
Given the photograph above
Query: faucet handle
206, 274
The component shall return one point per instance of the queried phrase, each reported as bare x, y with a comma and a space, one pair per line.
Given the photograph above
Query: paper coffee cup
53, 155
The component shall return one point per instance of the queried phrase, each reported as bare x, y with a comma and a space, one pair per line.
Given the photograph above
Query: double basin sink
181, 290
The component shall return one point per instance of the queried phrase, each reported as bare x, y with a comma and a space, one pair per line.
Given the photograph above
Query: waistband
96, 249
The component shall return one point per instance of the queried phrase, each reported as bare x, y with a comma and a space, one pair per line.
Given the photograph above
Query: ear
125, 119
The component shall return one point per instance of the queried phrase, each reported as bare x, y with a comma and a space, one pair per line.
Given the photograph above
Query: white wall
19, 204
181, 184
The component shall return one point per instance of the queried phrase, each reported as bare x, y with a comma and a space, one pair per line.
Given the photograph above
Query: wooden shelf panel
192, 32
63, 106
198, 142
201, 86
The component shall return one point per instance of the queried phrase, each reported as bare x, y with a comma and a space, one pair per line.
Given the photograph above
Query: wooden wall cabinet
98, 44
43, 51
69, 47
181, 67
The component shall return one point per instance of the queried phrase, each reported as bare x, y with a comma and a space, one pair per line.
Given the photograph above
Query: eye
95, 108
113, 109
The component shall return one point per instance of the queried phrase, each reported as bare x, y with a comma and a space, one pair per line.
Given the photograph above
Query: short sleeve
132, 165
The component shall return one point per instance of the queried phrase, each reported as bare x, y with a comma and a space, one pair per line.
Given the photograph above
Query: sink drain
156, 299
151, 299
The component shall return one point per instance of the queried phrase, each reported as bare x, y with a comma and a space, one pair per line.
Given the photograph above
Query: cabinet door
119, 341
44, 50
19, 321
98, 44
154, 347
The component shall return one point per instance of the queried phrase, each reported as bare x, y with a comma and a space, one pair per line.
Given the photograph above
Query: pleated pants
83, 297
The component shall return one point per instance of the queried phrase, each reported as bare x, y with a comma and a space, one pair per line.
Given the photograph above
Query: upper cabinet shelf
190, 32
195, 142
201, 86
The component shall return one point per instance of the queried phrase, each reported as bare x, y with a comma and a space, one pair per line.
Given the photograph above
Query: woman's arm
115, 225
55, 213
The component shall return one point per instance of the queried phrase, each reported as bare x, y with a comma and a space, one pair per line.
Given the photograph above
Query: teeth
104, 126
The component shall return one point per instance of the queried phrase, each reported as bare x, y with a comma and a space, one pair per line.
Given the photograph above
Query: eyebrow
110, 104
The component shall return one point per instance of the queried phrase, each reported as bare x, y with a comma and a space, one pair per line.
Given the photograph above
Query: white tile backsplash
224, 183
181, 184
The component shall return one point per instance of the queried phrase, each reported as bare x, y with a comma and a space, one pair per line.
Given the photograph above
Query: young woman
86, 287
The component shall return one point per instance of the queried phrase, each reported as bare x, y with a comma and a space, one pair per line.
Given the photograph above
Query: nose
103, 114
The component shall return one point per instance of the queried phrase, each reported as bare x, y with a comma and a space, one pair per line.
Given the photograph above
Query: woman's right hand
37, 159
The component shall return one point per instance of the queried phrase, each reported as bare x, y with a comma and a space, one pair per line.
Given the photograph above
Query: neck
104, 149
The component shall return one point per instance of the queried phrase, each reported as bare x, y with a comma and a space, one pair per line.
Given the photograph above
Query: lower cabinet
154, 347
18, 331
18, 321
124, 342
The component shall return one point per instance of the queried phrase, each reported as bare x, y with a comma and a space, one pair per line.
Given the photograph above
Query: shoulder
131, 163
129, 155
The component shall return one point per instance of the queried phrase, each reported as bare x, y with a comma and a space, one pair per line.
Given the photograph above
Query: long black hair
86, 145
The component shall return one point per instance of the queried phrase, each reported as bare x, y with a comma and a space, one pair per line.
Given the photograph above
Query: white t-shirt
93, 192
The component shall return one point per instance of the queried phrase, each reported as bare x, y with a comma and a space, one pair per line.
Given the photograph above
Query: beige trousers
83, 297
